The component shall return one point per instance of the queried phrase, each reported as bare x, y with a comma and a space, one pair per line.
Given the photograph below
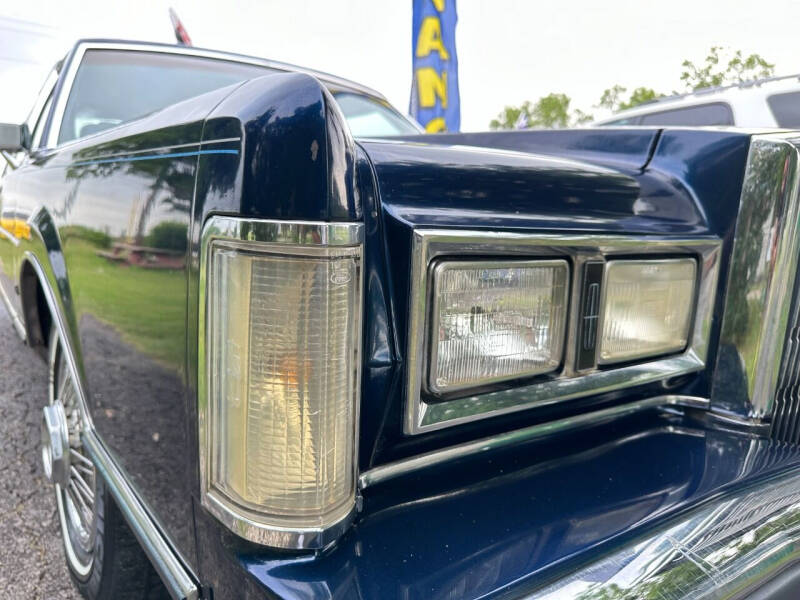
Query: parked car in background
287, 361
772, 102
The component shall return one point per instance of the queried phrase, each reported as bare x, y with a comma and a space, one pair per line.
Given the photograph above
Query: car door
12, 224
117, 179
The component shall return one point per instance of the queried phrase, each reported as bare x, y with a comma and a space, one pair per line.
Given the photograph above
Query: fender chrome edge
173, 573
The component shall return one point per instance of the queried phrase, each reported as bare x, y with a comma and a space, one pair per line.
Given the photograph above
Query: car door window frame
42, 107
37, 133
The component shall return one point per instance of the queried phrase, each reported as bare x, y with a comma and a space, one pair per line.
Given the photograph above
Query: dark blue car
298, 350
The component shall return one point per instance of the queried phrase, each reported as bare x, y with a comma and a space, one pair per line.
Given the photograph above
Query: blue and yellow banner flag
434, 91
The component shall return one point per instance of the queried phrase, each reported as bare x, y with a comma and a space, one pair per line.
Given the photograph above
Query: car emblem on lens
340, 277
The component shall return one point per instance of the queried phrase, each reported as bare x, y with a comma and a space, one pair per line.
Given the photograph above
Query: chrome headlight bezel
426, 412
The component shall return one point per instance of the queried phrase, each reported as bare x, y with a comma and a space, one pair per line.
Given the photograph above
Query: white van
773, 102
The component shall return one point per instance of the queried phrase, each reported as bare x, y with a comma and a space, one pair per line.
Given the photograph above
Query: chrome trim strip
399, 468
69, 77
427, 244
726, 549
278, 537
164, 558
761, 276
294, 234
161, 149
300, 233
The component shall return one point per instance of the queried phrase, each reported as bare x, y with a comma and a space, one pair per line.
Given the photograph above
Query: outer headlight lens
647, 308
283, 339
493, 321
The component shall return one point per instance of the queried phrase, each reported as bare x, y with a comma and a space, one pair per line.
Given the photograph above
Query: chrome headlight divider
425, 413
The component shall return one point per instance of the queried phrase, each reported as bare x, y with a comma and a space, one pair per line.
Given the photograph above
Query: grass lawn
146, 306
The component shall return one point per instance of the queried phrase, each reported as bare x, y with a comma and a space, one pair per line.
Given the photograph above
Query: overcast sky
509, 50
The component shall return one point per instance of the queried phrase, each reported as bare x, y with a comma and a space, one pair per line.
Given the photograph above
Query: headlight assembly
494, 321
554, 317
647, 308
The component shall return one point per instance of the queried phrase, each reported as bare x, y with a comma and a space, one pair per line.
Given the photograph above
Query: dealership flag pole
435, 101
180, 31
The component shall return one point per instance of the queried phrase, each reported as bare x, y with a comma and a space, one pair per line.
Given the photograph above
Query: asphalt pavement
31, 552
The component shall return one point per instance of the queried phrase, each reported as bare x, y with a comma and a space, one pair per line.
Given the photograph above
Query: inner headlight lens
496, 321
647, 308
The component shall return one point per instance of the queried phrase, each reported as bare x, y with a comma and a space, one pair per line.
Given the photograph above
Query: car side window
112, 87
786, 109
714, 113
369, 117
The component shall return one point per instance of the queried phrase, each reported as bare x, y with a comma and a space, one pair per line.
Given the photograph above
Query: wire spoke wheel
76, 499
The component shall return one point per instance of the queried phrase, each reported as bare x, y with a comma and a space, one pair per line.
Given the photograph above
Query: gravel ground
31, 555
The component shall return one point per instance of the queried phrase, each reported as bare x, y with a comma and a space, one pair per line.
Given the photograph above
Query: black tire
113, 565
120, 568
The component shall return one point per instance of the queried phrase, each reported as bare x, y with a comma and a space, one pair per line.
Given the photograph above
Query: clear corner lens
496, 321
647, 308
283, 363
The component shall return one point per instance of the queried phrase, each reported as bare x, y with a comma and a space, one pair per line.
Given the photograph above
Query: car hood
433, 185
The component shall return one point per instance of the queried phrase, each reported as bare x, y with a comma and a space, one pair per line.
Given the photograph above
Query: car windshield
110, 84
369, 117
117, 86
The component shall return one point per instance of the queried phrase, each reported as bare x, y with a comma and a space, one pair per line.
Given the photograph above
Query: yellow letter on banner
436, 125
439, 4
430, 38
431, 85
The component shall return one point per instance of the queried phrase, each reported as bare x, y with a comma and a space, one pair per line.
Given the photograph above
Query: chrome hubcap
67, 465
55, 444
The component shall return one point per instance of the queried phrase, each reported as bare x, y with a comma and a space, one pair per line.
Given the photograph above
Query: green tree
613, 100
721, 67
640, 95
612, 97
168, 235
551, 111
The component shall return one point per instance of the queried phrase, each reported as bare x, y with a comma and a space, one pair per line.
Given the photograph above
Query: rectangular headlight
283, 341
494, 321
647, 308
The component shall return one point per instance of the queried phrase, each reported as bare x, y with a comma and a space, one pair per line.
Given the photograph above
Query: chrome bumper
722, 550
